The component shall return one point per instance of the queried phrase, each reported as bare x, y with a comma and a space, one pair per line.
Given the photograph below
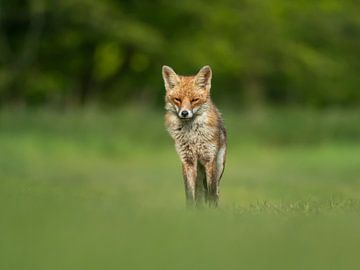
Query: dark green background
72, 52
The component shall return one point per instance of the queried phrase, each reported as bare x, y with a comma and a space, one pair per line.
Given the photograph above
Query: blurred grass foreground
87, 189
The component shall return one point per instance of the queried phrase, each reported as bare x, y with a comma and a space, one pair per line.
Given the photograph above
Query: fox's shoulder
171, 119
215, 121
214, 117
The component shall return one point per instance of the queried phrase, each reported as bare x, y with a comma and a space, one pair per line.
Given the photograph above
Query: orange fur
200, 137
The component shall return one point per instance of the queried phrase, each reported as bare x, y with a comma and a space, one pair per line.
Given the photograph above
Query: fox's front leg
189, 174
212, 195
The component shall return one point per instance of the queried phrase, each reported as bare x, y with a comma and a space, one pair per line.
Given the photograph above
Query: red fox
197, 128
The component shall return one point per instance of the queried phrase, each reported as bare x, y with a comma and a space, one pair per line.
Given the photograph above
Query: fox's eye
195, 100
177, 99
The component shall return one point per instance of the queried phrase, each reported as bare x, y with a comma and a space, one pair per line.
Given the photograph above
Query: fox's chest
195, 141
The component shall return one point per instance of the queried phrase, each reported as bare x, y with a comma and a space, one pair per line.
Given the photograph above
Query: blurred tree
278, 52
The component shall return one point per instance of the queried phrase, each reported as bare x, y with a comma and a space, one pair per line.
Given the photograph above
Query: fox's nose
184, 113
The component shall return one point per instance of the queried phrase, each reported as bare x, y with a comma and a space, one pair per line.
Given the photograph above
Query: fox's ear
203, 78
170, 77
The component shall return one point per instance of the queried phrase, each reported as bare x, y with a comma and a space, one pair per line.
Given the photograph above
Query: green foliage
107, 60
282, 52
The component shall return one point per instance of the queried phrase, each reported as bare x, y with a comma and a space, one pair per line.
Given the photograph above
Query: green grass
103, 190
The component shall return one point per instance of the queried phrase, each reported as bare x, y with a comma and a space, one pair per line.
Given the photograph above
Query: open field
103, 190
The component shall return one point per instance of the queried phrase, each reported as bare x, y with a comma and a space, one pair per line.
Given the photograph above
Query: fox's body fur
197, 129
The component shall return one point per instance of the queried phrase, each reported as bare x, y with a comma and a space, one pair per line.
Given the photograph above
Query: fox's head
186, 95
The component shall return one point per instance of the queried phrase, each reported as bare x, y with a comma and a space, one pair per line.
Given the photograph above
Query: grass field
103, 190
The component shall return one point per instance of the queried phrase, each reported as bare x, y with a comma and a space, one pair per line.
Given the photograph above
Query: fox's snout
185, 109
183, 113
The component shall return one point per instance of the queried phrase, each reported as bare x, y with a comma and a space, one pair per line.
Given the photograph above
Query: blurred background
89, 179
76, 52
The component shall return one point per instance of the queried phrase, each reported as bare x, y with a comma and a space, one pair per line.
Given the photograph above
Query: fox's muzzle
183, 113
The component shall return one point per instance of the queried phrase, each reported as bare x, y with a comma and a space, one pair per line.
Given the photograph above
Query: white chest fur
194, 139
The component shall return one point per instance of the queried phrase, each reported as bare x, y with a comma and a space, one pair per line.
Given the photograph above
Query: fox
197, 129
